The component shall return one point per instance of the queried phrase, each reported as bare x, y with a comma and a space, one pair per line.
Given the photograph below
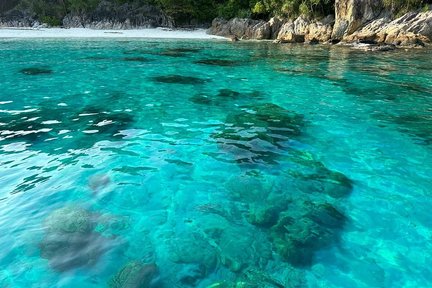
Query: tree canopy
203, 11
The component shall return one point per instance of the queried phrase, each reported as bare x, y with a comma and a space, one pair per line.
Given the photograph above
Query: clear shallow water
245, 165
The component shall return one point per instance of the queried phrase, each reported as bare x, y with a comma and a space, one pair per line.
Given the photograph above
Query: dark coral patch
179, 79
134, 274
228, 93
254, 134
136, 59
178, 52
297, 239
201, 99
172, 54
36, 71
67, 251
184, 50
218, 62
96, 58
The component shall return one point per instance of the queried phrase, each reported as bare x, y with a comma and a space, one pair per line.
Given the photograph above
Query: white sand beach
91, 33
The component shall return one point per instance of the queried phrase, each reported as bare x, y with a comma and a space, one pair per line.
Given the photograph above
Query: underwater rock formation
238, 253
134, 275
137, 59
225, 97
179, 79
296, 208
36, 71
218, 62
297, 238
69, 219
193, 248
70, 241
254, 134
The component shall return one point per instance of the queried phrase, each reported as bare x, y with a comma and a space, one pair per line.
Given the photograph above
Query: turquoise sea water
155, 163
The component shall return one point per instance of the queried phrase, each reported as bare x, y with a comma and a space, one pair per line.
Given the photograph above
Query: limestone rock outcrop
242, 28
352, 14
410, 29
357, 21
300, 30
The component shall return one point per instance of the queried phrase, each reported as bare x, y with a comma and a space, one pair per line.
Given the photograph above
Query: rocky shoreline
363, 23
355, 22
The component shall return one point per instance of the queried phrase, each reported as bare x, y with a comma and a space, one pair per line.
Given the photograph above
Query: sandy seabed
92, 33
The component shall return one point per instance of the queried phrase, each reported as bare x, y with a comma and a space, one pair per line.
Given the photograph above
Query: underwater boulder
70, 240
36, 71
249, 250
134, 275
246, 187
263, 215
327, 216
193, 248
67, 251
296, 238
313, 177
69, 219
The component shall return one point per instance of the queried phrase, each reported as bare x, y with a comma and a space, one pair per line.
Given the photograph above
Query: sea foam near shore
91, 33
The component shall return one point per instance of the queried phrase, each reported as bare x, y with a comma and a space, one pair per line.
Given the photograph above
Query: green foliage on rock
400, 7
192, 12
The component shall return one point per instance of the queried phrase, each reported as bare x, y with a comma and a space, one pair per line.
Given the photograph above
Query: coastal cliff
358, 21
